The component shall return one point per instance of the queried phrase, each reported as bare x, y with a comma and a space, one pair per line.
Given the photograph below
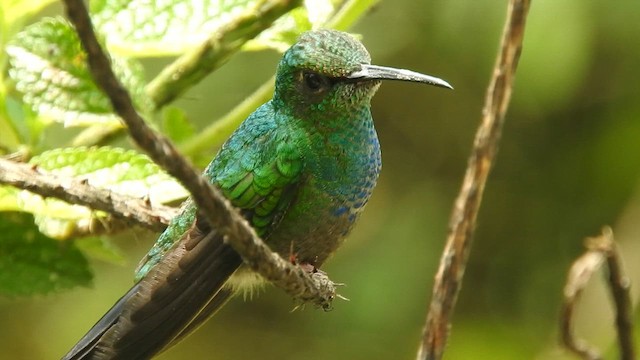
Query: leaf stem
349, 13
217, 132
192, 67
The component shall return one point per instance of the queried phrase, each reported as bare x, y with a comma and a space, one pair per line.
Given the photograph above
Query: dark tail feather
212, 307
83, 348
161, 308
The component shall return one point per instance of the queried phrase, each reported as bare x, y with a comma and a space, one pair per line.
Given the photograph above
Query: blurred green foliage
38, 261
567, 165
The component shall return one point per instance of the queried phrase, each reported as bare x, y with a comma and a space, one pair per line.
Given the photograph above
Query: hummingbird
300, 169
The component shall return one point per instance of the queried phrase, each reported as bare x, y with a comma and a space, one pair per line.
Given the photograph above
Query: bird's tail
175, 297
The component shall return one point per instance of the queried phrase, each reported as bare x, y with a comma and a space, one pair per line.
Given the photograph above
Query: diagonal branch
212, 204
581, 271
620, 285
462, 224
133, 210
599, 250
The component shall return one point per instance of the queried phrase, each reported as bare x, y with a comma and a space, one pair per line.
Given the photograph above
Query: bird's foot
318, 276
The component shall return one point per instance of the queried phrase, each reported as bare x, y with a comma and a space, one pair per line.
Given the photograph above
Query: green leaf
31, 263
48, 66
10, 140
121, 171
176, 125
151, 28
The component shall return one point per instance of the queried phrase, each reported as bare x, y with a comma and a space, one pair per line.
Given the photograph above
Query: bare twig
619, 285
133, 210
448, 280
599, 249
577, 279
212, 204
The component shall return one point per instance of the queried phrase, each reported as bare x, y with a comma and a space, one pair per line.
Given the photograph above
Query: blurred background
568, 164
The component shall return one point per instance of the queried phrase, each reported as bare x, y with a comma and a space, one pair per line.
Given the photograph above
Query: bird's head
330, 71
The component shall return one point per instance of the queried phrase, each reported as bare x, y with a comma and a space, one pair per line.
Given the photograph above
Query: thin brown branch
620, 285
133, 210
462, 224
577, 279
599, 250
212, 204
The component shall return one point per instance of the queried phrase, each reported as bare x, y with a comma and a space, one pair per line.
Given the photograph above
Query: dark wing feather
208, 311
163, 303
82, 349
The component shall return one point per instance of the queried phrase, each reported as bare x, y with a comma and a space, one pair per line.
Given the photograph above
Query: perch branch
599, 250
133, 210
448, 280
212, 204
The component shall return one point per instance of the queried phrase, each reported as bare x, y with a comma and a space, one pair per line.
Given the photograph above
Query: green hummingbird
300, 169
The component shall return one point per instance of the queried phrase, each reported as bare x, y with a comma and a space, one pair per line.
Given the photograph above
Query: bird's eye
315, 83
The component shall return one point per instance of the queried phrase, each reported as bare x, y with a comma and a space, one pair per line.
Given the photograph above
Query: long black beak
375, 72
